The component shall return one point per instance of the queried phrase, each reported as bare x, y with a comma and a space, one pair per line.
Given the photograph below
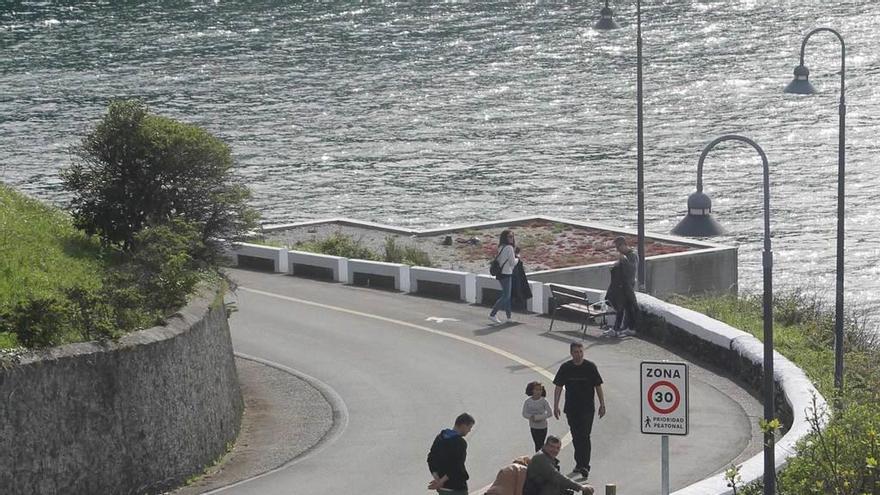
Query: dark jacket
446, 458
543, 477
622, 286
521, 289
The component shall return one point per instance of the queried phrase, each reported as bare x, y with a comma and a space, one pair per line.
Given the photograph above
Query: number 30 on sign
664, 398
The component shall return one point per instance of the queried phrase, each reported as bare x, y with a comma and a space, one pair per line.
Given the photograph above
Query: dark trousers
539, 435
581, 425
628, 311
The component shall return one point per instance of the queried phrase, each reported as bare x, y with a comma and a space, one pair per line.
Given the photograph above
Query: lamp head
698, 222
606, 20
800, 85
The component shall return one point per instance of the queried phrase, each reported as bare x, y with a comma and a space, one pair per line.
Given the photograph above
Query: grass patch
58, 285
41, 253
8, 340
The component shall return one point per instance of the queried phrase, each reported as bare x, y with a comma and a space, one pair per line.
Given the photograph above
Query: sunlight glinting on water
440, 113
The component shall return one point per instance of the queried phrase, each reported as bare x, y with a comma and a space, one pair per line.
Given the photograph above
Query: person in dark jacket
447, 456
621, 292
543, 476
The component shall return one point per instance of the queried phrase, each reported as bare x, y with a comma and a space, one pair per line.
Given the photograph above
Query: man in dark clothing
447, 455
543, 476
582, 382
622, 293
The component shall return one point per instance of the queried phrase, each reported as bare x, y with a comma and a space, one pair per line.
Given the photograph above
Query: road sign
664, 398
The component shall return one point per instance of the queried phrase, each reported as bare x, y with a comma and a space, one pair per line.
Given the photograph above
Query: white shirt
507, 259
540, 409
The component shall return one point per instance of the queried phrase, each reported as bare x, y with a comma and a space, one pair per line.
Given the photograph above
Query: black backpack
495, 267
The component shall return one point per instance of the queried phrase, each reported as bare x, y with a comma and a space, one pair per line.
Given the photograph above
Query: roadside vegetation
348, 247
154, 202
843, 458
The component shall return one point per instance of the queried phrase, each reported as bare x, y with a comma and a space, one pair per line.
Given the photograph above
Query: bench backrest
565, 294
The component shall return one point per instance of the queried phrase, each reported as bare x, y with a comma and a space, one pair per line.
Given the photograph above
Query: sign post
664, 407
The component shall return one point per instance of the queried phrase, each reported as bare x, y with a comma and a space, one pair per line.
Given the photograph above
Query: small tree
138, 169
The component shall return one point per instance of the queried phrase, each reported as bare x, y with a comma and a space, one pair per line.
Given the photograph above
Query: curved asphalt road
402, 378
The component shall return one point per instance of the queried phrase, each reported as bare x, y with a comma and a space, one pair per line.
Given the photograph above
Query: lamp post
801, 85
606, 22
699, 223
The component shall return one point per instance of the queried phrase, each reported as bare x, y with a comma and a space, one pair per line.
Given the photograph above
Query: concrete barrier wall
463, 280
277, 255
337, 264
399, 272
139, 415
705, 271
711, 270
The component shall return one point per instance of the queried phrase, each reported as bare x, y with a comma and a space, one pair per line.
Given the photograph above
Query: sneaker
509, 319
585, 472
494, 319
610, 333
627, 332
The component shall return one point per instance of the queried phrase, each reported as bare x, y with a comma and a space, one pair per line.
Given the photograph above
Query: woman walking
507, 259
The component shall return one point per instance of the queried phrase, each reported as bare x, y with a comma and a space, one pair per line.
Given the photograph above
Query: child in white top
536, 409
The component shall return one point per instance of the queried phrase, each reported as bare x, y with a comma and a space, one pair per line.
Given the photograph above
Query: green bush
90, 313
340, 244
843, 458
409, 255
162, 265
37, 322
394, 253
137, 169
345, 246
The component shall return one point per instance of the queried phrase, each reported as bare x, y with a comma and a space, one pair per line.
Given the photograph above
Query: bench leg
552, 318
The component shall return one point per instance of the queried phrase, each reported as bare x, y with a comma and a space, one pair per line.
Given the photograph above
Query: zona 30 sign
664, 398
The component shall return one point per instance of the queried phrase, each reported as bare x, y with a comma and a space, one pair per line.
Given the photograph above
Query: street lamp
606, 22
801, 85
606, 19
700, 224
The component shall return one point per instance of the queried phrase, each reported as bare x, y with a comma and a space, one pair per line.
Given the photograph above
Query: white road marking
501, 352
439, 319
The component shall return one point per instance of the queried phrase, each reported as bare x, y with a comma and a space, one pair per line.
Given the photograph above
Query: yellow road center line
501, 352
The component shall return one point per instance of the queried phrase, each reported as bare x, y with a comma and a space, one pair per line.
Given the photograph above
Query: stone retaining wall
135, 416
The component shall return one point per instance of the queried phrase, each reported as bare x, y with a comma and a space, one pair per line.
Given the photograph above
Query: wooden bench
574, 300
